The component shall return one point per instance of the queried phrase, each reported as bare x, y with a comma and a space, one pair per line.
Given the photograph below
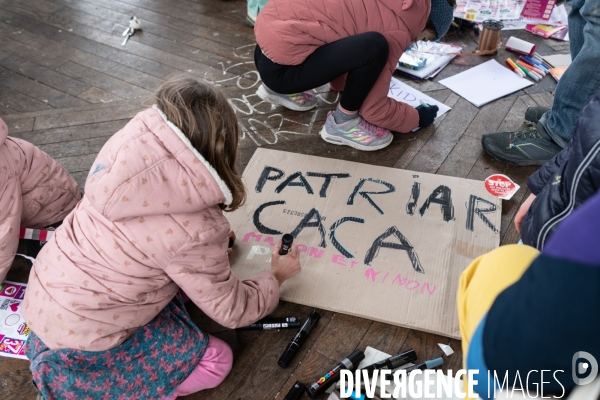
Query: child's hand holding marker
427, 114
284, 260
231, 241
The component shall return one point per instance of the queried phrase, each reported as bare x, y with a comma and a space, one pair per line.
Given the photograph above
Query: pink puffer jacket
149, 224
35, 191
288, 31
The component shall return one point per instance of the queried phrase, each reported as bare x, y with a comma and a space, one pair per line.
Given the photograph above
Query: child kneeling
35, 192
103, 302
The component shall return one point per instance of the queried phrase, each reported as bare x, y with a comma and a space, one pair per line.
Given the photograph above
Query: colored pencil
540, 59
535, 67
525, 71
515, 69
528, 73
529, 68
537, 62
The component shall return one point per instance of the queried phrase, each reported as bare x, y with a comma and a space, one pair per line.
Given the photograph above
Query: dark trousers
362, 56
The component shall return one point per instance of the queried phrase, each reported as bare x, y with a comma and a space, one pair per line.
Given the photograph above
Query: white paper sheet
485, 83
400, 91
558, 60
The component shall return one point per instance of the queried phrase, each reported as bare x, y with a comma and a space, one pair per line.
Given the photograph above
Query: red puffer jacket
288, 31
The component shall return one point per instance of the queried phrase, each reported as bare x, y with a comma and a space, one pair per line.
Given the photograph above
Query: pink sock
210, 371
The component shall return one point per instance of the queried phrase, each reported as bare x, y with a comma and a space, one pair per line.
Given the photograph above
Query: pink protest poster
540, 9
13, 329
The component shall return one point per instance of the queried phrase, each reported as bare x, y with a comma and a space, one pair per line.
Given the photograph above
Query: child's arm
10, 221
202, 270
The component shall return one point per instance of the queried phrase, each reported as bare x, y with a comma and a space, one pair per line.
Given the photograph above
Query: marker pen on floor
429, 364
286, 244
296, 391
333, 375
273, 323
393, 362
298, 340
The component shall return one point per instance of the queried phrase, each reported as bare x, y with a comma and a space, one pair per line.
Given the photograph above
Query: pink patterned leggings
210, 372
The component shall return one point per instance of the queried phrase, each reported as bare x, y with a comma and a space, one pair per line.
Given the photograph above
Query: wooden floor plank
45, 76
418, 139
21, 50
65, 135
45, 94
440, 144
162, 21
12, 101
103, 81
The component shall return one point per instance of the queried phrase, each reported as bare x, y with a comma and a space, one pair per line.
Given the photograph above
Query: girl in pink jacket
103, 301
355, 45
35, 192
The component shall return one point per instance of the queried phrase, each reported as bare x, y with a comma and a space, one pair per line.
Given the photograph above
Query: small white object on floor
446, 349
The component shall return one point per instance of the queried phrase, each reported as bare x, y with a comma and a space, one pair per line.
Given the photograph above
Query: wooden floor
67, 84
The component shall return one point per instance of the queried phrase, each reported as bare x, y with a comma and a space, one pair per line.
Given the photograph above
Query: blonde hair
203, 114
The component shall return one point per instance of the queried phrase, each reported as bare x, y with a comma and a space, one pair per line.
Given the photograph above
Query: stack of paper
558, 17
438, 55
538, 9
485, 83
481, 10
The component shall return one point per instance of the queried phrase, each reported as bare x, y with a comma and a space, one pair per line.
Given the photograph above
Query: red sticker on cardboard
501, 186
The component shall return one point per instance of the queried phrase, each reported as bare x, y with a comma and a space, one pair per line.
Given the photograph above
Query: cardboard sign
378, 243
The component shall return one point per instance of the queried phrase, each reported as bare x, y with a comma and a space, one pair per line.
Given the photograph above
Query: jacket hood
151, 168
3, 132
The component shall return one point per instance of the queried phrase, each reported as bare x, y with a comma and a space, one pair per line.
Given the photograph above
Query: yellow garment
484, 280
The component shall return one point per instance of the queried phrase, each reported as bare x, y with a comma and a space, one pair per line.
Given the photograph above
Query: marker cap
286, 357
355, 358
296, 391
287, 239
436, 362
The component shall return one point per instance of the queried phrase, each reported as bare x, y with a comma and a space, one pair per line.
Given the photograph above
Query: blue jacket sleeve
542, 176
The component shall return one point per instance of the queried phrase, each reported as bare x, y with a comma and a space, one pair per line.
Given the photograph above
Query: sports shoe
356, 133
533, 114
303, 101
251, 19
531, 146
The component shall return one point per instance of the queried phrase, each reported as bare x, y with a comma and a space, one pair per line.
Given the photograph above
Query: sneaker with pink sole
356, 133
303, 101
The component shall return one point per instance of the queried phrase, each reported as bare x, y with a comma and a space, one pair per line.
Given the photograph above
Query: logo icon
584, 364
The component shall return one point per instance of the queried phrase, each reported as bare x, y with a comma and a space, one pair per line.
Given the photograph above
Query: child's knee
221, 357
377, 45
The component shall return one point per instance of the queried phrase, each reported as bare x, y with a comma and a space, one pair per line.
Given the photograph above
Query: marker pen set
528, 66
350, 363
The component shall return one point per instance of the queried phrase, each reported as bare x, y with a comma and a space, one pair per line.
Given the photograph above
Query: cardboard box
379, 243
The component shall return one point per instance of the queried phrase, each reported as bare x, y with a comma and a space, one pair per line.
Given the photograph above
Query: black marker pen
286, 244
296, 391
393, 362
429, 364
273, 323
298, 339
333, 375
